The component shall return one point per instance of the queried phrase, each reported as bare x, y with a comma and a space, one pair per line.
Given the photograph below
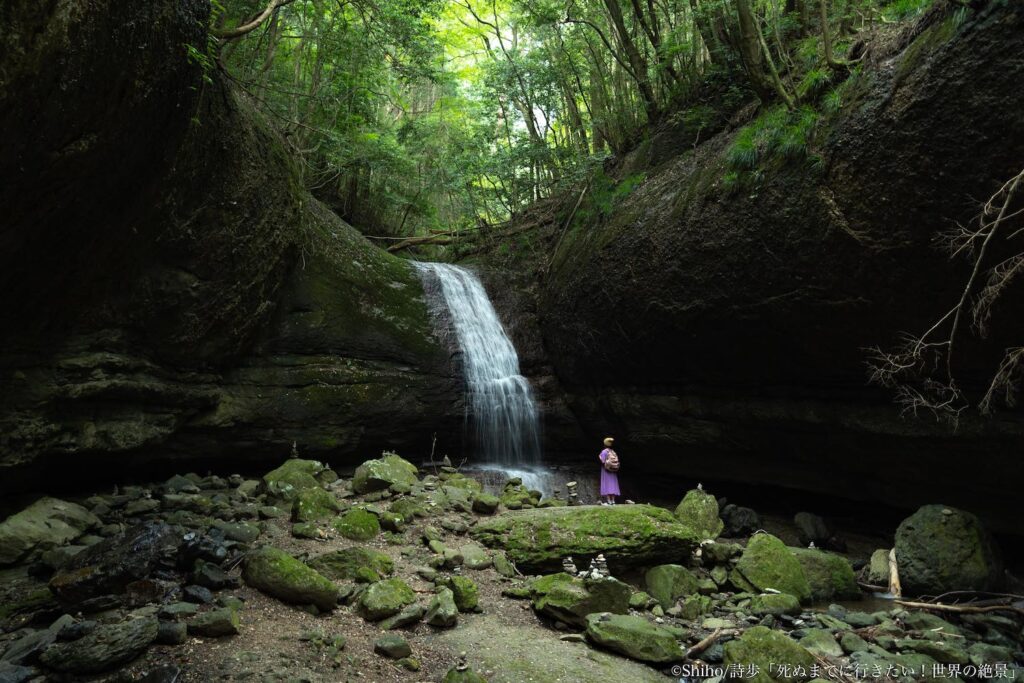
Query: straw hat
608, 441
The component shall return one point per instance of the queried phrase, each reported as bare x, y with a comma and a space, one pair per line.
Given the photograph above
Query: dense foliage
423, 117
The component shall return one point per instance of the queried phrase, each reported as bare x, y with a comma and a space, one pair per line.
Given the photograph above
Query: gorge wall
170, 292
722, 334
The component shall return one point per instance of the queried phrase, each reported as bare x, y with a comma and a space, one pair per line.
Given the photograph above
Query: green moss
627, 535
669, 582
384, 599
465, 593
767, 563
34, 600
633, 637
350, 563
314, 504
926, 43
767, 650
699, 511
292, 477
280, 575
386, 471
830, 576
358, 525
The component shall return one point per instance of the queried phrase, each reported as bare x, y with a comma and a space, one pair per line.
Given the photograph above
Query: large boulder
379, 474
666, 583
385, 599
769, 651
46, 523
279, 575
940, 549
628, 535
314, 504
633, 637
699, 510
107, 567
353, 564
291, 478
570, 599
107, 646
830, 576
769, 565
358, 524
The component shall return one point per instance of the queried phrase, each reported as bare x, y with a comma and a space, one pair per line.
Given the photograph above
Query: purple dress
609, 480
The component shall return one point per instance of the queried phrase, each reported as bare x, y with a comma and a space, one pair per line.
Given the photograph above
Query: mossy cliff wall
169, 289
721, 332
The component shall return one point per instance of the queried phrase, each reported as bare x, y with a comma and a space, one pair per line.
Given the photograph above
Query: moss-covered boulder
485, 503
46, 523
940, 549
821, 642
465, 593
633, 637
699, 511
767, 563
570, 599
384, 599
292, 477
358, 525
775, 604
770, 652
515, 496
278, 574
666, 583
382, 473
354, 564
628, 535
314, 504
830, 576
878, 568
442, 611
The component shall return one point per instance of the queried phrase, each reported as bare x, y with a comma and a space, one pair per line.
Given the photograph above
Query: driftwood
441, 238
962, 609
894, 575
704, 644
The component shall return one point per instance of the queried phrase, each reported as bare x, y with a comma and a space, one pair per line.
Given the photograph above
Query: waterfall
501, 413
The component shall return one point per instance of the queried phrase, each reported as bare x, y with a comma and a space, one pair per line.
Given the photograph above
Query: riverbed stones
384, 599
830, 576
699, 510
570, 599
358, 525
363, 565
628, 535
392, 646
281, 576
442, 611
475, 557
941, 549
767, 564
666, 583
767, 650
819, 641
384, 472
633, 637
775, 604
215, 624
106, 647
46, 523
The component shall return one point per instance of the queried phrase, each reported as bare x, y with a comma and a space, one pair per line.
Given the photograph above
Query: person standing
609, 473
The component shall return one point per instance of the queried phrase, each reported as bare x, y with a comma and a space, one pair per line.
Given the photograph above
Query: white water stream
502, 416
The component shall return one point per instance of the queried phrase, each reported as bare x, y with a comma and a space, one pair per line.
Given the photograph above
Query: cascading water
501, 413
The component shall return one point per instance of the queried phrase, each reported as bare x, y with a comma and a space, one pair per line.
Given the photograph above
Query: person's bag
611, 463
